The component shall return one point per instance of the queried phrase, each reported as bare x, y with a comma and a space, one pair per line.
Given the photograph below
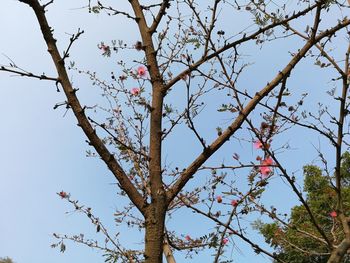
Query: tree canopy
297, 241
6, 260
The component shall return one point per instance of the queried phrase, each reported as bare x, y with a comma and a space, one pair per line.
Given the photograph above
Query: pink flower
234, 203
268, 161
225, 241
135, 91
141, 71
258, 144
104, 48
333, 214
188, 238
63, 194
219, 199
264, 169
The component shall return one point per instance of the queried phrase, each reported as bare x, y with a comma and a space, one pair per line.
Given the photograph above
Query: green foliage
194, 41
297, 242
110, 257
95, 9
227, 107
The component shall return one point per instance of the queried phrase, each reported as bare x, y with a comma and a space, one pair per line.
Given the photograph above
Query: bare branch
210, 150
28, 74
244, 39
79, 112
160, 15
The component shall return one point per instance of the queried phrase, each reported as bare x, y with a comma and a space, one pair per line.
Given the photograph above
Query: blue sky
43, 151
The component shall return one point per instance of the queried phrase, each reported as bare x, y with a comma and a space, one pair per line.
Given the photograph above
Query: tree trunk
338, 253
154, 236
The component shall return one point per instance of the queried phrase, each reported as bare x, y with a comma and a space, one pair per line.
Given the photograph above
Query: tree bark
338, 254
156, 211
154, 234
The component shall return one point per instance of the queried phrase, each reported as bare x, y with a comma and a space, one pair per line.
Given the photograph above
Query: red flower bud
63, 194
219, 199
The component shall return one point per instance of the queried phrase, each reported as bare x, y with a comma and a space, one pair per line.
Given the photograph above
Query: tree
185, 56
288, 241
6, 260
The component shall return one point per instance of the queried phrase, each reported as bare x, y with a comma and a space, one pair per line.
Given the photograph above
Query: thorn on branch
73, 91
82, 111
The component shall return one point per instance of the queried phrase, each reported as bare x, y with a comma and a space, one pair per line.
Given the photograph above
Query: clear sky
43, 151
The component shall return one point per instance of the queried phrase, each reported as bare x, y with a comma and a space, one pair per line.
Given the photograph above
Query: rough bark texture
338, 254
156, 212
154, 236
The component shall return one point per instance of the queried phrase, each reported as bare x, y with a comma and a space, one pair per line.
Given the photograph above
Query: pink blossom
141, 71
264, 169
219, 199
258, 144
63, 194
268, 161
104, 48
333, 214
225, 241
234, 203
188, 238
135, 91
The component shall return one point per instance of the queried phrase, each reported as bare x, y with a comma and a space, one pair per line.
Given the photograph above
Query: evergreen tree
6, 260
298, 241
